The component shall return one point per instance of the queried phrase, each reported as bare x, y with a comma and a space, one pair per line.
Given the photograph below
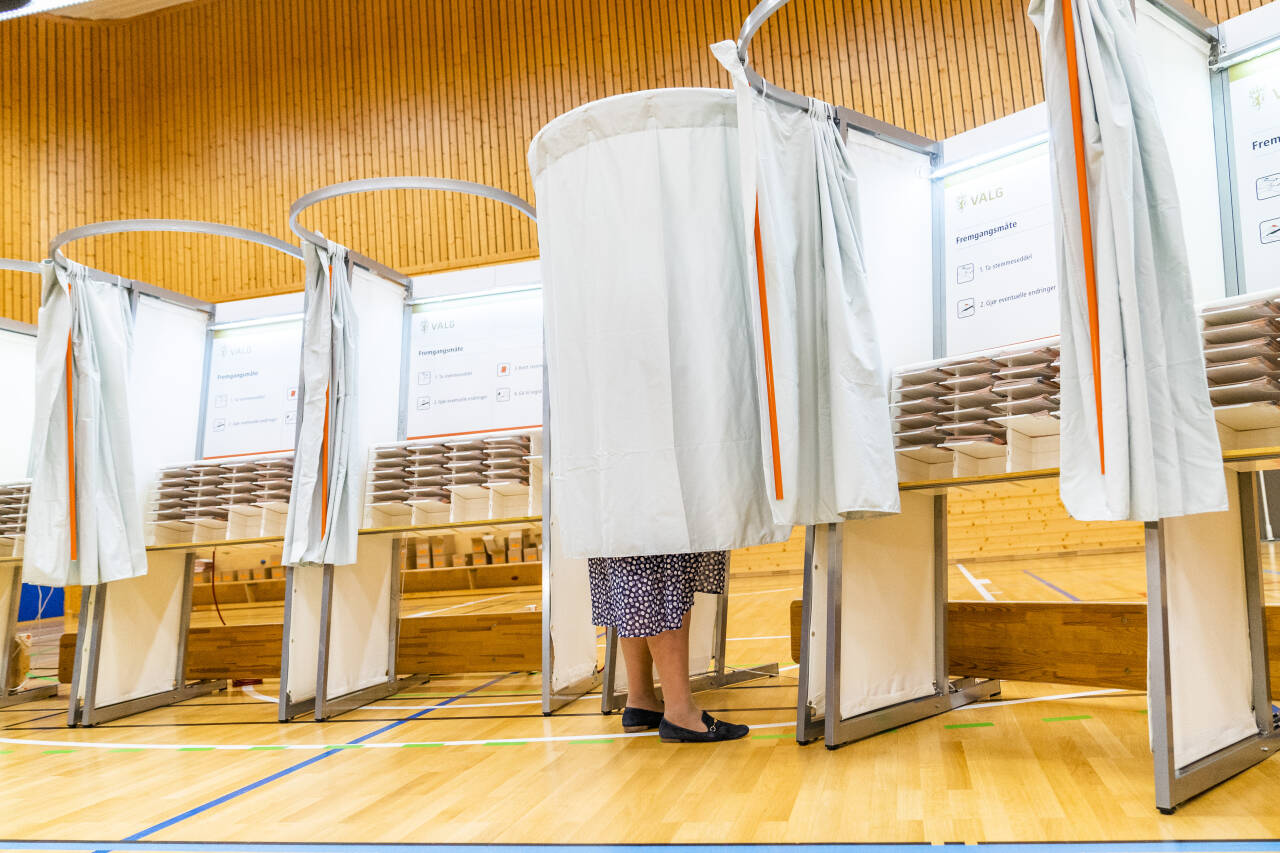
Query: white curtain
824, 402
655, 426
1159, 441
109, 545
322, 529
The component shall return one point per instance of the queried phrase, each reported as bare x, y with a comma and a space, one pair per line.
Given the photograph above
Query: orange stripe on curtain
1086, 226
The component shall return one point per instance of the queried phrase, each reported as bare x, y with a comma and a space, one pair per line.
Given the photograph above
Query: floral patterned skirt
644, 596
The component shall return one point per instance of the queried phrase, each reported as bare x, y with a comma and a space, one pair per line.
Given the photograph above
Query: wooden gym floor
471, 758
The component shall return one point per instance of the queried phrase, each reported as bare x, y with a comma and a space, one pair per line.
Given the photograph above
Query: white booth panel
1210, 667
475, 364
379, 308
1252, 28
252, 400
1000, 269
303, 640
478, 280
361, 618
895, 200
140, 642
1177, 64
17, 389
887, 608
164, 386
1253, 93
573, 637
260, 308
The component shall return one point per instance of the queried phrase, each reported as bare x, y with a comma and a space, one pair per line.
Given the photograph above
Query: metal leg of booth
16, 696
809, 726
327, 707
720, 675
948, 694
288, 707
83, 709
1175, 785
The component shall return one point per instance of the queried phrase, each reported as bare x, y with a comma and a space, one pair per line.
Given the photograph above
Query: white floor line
485, 599
321, 747
980, 584
249, 691
788, 668
1000, 702
254, 694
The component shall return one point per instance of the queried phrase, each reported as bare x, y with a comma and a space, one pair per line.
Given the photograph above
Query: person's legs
671, 653
640, 692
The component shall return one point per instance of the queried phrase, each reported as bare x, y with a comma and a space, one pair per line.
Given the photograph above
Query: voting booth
18, 354
978, 402
130, 650
449, 437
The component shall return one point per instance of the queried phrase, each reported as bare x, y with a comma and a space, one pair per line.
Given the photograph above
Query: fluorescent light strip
991, 156
260, 321
477, 294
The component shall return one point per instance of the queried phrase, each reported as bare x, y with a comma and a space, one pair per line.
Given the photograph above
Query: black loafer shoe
640, 720
717, 730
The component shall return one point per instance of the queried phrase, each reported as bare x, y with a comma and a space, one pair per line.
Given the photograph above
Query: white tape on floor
243, 747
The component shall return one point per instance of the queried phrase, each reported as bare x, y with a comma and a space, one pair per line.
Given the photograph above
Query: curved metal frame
15, 265
178, 226
843, 115
404, 182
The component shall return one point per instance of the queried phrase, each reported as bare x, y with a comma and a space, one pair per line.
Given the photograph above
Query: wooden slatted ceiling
230, 109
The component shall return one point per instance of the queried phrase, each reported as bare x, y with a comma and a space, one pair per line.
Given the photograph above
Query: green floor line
416, 745
260, 748
1066, 719
57, 751
769, 737
344, 746
195, 749
594, 740
968, 725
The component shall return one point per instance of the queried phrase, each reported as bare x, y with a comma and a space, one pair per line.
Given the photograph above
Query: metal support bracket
85, 710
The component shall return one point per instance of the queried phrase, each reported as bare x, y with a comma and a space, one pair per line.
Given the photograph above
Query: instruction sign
1255, 127
475, 364
999, 263
252, 404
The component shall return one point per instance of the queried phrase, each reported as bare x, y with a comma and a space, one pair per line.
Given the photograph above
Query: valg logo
975, 199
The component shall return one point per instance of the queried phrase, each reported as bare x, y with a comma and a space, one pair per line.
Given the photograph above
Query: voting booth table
980, 399
17, 353
122, 371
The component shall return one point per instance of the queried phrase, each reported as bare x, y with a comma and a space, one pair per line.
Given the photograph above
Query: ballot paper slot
444, 481
207, 502
996, 412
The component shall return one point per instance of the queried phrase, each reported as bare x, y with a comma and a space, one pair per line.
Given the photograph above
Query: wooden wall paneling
229, 109
1093, 644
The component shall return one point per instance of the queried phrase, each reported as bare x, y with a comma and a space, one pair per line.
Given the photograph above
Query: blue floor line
253, 786
1003, 847
1053, 587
